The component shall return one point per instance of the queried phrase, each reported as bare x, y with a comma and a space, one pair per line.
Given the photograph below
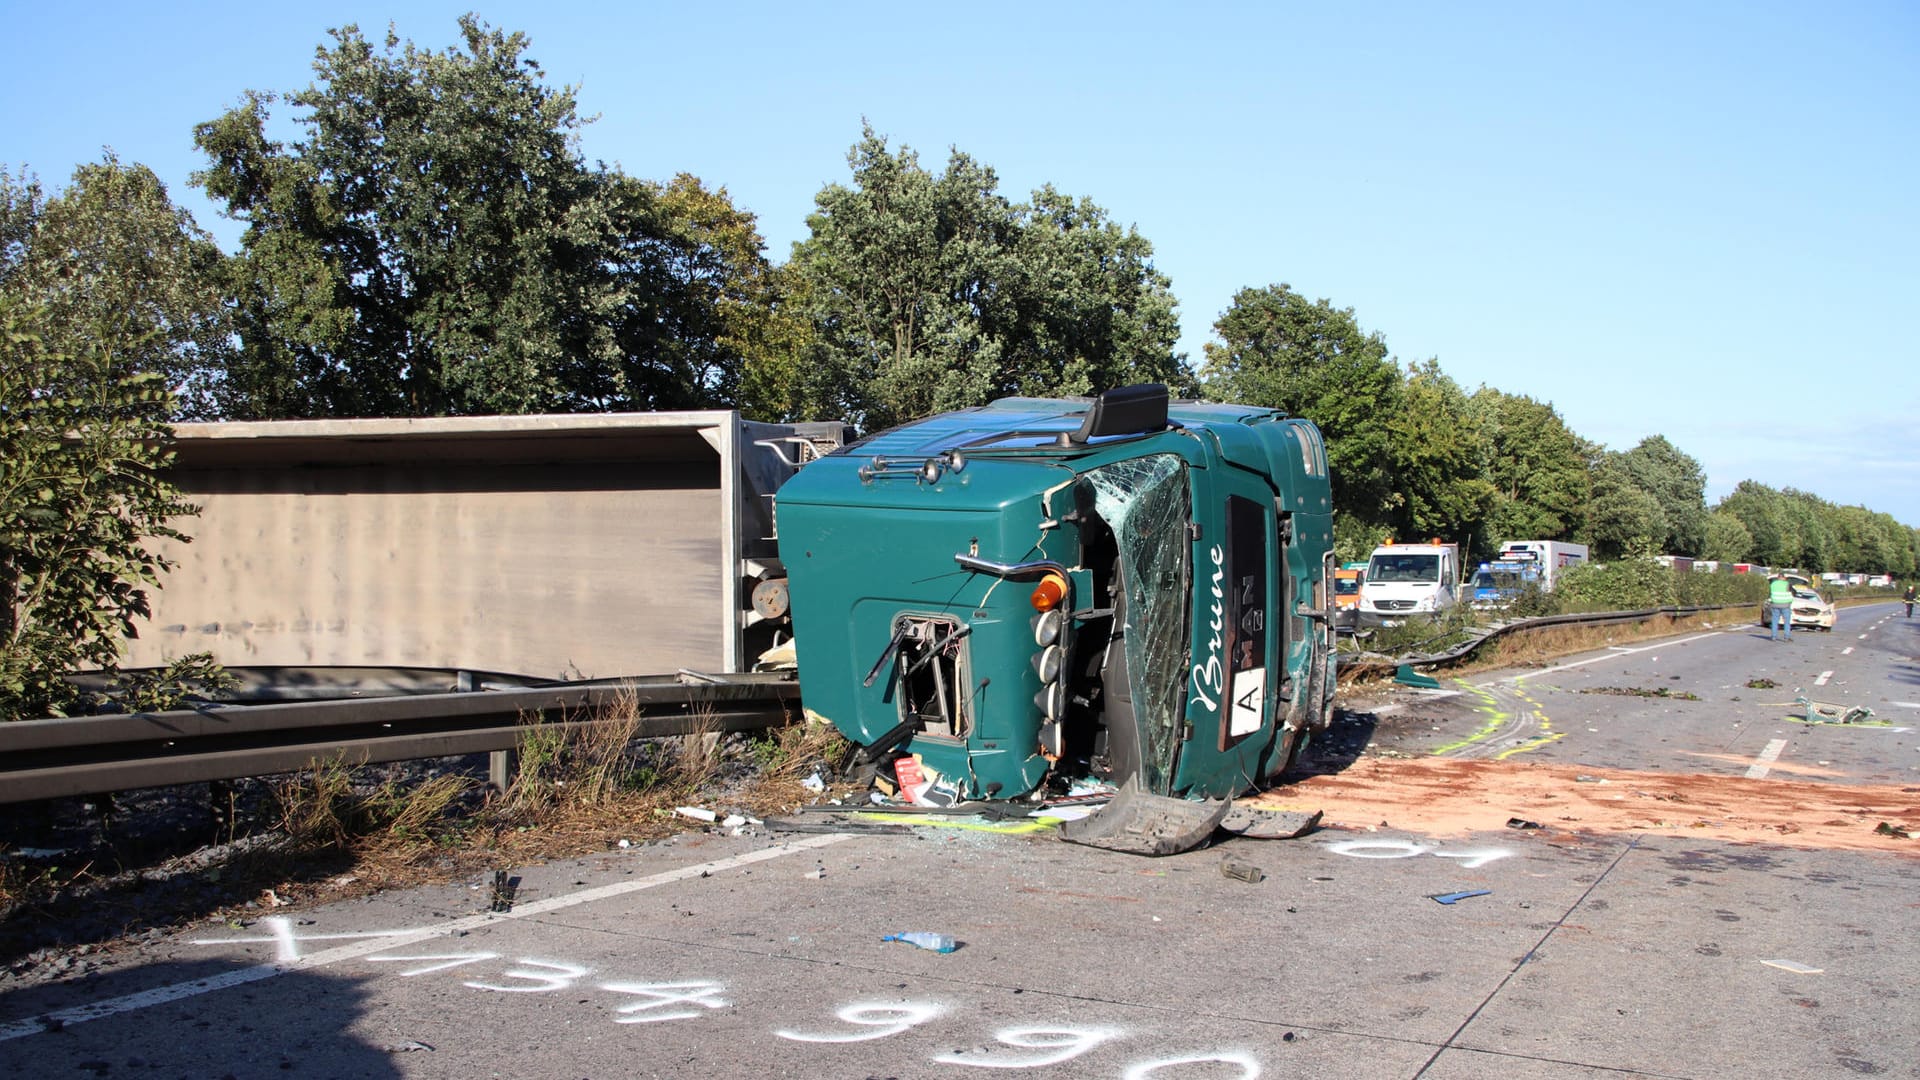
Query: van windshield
1418, 569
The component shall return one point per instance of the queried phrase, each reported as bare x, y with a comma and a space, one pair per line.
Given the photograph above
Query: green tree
1769, 519
1440, 452
81, 445
1676, 482
1311, 359
116, 269
1537, 466
1727, 540
929, 292
1625, 520
433, 243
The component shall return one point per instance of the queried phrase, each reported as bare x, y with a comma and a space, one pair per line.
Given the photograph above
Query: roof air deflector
1127, 410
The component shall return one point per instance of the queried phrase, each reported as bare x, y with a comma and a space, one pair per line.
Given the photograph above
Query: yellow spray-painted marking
1489, 707
1547, 734
1005, 828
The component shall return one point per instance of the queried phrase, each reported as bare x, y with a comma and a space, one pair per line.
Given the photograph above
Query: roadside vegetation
337, 830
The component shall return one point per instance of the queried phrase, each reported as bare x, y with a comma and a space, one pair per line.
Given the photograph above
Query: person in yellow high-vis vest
1780, 596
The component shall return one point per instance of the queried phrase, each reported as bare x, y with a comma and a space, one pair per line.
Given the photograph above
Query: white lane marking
1596, 659
1905, 704
160, 995
1766, 759
1822, 680
1863, 637
1845, 651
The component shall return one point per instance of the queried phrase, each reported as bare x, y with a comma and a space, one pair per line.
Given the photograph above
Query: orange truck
1346, 594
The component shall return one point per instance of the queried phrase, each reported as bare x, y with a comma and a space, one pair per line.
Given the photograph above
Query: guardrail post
500, 765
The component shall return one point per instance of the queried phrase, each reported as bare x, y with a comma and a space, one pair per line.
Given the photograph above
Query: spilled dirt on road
1452, 797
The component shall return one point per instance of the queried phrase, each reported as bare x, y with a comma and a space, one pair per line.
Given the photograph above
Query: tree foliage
1791, 528
434, 244
928, 292
1440, 454
1538, 468
81, 445
1676, 482
1727, 539
115, 269
1279, 349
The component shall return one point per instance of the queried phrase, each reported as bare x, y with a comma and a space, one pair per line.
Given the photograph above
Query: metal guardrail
1367, 664
43, 759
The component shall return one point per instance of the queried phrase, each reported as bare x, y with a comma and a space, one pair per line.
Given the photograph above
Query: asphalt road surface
1580, 954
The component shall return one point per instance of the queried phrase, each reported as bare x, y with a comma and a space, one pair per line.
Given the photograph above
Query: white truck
1409, 581
1521, 563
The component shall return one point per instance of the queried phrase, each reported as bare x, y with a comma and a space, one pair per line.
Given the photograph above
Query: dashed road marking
1768, 756
1846, 650
1822, 680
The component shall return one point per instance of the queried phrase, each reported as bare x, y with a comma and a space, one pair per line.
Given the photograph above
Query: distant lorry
1409, 581
1124, 588
1521, 564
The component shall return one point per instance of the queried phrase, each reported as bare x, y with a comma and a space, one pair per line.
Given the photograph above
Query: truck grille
1393, 605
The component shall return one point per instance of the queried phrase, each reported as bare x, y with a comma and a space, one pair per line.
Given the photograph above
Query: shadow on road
1337, 748
294, 1024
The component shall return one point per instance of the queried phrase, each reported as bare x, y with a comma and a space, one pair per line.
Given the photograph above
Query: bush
1623, 585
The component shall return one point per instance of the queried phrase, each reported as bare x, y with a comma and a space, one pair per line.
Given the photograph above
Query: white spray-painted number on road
542, 982
884, 1019
665, 995
1064, 1044
1249, 1068
1470, 858
443, 961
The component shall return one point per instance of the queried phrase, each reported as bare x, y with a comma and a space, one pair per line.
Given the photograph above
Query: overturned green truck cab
1122, 588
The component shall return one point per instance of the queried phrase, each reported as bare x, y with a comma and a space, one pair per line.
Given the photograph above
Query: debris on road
1827, 712
504, 890
1455, 897
1902, 830
939, 943
1143, 824
696, 813
1522, 823
1265, 823
1242, 871
1794, 966
1643, 692
1406, 676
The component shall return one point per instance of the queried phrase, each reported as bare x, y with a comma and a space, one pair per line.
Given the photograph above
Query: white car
1810, 609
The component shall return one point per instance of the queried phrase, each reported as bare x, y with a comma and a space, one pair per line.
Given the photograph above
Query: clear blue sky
1690, 219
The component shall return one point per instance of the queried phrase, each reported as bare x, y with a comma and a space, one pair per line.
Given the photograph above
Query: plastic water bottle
920, 938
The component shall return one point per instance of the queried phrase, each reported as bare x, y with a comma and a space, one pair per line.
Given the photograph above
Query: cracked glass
1145, 501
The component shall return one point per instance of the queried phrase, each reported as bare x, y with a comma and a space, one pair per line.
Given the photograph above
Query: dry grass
1544, 645
583, 784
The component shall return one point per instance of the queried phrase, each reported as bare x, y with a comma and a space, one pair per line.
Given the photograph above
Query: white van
1409, 580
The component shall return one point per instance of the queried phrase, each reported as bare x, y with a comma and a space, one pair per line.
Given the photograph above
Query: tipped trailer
1038, 590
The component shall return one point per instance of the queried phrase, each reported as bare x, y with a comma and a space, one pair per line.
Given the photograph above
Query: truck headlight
1048, 663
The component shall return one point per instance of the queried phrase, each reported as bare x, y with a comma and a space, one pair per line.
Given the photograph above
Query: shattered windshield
1146, 504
